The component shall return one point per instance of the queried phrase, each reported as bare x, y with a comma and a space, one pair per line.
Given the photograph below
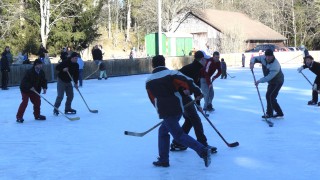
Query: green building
173, 44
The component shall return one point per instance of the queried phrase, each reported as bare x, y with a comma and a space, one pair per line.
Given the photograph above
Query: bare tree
170, 9
128, 20
51, 13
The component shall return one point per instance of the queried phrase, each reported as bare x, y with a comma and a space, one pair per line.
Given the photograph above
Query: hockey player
163, 88
273, 75
315, 68
190, 114
34, 79
207, 71
64, 83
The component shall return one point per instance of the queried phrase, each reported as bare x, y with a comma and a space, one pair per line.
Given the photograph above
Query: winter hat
308, 57
268, 52
216, 53
36, 62
158, 60
205, 55
74, 54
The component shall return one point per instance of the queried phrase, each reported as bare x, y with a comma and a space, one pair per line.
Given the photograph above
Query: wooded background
120, 25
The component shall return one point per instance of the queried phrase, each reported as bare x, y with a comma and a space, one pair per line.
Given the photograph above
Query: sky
95, 147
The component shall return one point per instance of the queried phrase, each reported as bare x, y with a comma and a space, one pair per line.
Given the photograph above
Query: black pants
271, 96
4, 79
192, 119
315, 94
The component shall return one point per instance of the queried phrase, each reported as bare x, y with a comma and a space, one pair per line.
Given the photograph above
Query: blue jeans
208, 93
171, 124
80, 77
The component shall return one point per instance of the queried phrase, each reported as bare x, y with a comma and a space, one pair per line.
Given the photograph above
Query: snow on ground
95, 147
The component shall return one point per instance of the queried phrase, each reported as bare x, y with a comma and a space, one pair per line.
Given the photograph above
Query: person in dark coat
42, 53
190, 114
223, 69
6, 58
64, 83
64, 54
97, 53
163, 88
315, 68
33, 80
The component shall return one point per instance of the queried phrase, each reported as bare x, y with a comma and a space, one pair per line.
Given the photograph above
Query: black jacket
315, 68
97, 54
42, 52
193, 71
33, 79
5, 62
163, 88
73, 70
64, 56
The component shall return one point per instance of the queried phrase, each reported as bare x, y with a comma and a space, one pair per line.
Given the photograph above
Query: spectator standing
6, 58
26, 58
33, 80
305, 51
223, 69
243, 60
81, 65
132, 53
69, 51
42, 53
64, 54
103, 70
97, 54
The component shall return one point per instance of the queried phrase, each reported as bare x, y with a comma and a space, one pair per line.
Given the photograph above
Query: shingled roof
225, 21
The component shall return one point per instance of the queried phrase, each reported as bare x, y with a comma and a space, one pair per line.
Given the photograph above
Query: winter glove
300, 69
315, 87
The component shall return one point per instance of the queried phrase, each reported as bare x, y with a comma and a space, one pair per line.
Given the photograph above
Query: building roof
226, 21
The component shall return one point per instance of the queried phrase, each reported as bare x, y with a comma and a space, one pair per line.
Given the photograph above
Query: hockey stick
269, 122
292, 58
92, 73
71, 119
140, 134
306, 78
231, 76
234, 144
93, 111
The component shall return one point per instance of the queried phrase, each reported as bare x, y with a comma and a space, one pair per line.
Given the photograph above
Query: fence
124, 67
115, 67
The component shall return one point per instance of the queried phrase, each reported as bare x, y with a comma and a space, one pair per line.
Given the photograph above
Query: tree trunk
44, 21
117, 16
109, 19
128, 20
294, 27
